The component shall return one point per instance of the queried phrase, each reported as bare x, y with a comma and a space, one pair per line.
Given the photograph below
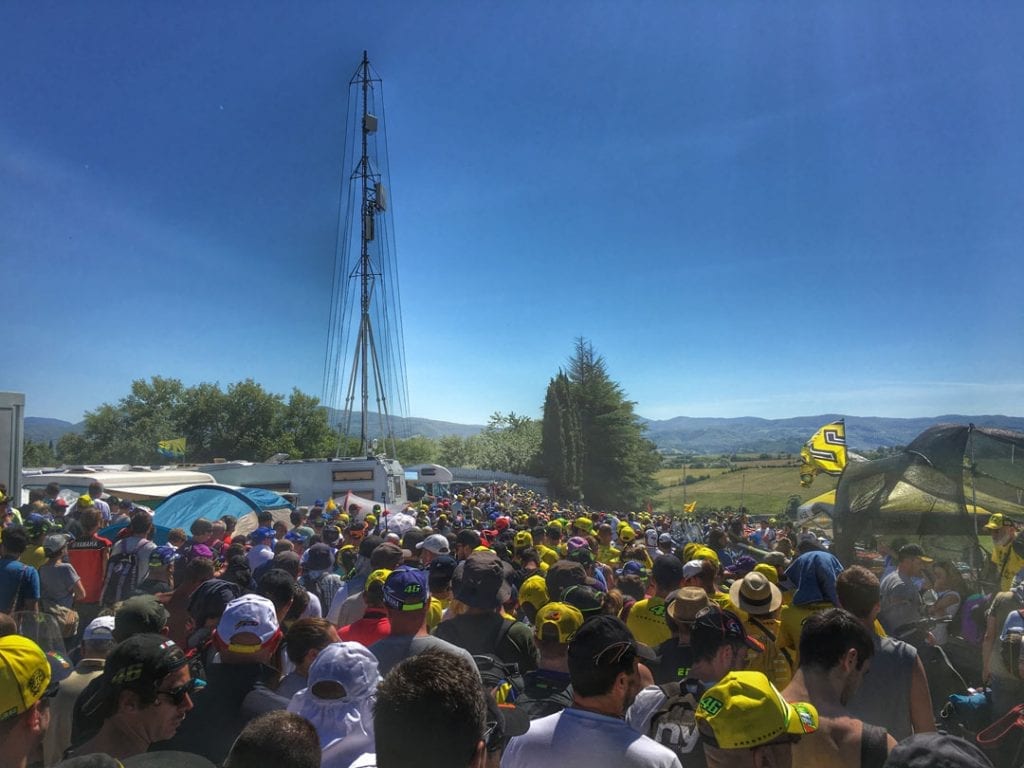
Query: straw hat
755, 594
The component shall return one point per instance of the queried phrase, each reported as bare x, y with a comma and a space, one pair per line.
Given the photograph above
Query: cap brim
646, 653
802, 719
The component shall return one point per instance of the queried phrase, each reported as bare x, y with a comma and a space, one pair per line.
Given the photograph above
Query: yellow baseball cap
377, 577
770, 572
744, 710
565, 618
626, 532
534, 591
997, 521
584, 524
707, 553
523, 540
24, 675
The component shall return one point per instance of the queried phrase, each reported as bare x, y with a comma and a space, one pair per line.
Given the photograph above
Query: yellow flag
690, 508
824, 452
172, 449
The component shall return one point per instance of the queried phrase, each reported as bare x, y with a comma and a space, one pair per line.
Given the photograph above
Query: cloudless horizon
750, 210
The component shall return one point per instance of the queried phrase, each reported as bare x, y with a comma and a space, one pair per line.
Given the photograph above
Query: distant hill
41, 430
745, 434
754, 435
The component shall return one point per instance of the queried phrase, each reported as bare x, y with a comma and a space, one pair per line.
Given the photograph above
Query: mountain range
685, 434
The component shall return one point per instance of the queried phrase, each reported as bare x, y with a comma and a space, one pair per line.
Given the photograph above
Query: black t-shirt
674, 662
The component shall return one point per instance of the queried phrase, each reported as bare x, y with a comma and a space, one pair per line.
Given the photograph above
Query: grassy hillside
762, 490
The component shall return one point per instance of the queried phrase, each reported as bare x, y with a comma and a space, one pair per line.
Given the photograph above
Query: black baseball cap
562, 575
715, 626
367, 545
210, 599
138, 615
667, 570
468, 537
587, 600
136, 664
602, 641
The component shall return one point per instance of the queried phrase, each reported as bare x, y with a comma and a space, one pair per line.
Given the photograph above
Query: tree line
589, 442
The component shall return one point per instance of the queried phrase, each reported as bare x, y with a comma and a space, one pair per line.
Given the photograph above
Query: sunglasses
177, 695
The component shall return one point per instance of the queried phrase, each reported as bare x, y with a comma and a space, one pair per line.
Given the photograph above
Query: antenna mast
372, 203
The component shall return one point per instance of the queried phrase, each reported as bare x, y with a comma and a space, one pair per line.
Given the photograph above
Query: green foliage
616, 463
416, 450
37, 455
509, 443
244, 422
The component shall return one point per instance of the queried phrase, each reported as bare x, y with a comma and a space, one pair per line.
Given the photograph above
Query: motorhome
143, 485
376, 478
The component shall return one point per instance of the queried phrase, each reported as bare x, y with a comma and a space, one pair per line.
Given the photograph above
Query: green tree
561, 439
617, 463
37, 455
455, 451
509, 443
416, 450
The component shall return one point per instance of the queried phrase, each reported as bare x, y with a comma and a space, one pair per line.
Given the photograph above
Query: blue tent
181, 509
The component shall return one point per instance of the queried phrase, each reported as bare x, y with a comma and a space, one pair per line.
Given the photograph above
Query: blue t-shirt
18, 583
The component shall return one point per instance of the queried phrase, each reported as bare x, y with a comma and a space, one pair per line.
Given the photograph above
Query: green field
762, 490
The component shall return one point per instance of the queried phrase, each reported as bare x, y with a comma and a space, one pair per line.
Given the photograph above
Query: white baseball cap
248, 614
435, 543
99, 629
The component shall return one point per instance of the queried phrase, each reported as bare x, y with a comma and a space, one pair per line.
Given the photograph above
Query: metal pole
364, 269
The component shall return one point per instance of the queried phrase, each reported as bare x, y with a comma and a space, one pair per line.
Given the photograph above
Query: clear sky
764, 209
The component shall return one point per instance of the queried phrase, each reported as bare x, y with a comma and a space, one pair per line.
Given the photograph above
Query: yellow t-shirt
1009, 563
773, 662
792, 620
647, 621
608, 554
434, 613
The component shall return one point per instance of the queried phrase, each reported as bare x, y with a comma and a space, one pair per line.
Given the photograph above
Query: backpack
499, 676
122, 576
541, 698
674, 723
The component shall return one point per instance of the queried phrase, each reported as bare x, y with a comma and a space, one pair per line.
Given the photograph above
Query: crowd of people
499, 629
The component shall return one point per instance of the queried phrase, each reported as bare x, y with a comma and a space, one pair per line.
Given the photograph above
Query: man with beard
835, 652
144, 695
591, 732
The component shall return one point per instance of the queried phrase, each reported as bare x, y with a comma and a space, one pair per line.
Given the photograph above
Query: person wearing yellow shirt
1004, 555
646, 618
759, 601
606, 552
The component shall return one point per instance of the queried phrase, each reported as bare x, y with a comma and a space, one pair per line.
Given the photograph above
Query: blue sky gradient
750, 209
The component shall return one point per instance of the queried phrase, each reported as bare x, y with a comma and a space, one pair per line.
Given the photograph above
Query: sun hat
24, 676
482, 582
565, 618
247, 615
339, 697
755, 594
319, 557
744, 710
685, 603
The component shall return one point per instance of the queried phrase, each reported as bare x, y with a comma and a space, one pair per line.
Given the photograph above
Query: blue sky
766, 209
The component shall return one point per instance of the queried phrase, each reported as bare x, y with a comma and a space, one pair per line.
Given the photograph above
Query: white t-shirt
575, 738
